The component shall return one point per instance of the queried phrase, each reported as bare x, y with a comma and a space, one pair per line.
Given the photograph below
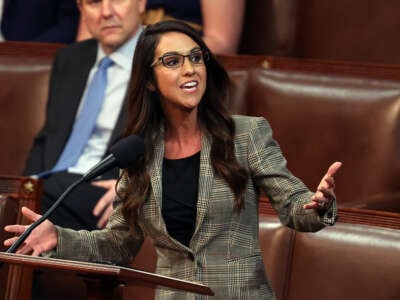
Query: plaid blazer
224, 252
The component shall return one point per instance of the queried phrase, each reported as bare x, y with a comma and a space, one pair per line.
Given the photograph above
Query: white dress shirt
118, 76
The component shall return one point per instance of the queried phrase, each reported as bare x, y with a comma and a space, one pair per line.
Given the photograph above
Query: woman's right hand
42, 239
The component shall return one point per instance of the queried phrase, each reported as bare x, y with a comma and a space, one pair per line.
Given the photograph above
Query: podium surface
105, 274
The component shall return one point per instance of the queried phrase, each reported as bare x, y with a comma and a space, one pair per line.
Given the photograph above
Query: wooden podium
104, 281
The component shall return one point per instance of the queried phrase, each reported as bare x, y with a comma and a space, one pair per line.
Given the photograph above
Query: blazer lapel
155, 173
206, 178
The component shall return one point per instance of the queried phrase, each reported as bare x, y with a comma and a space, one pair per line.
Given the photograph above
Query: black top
180, 187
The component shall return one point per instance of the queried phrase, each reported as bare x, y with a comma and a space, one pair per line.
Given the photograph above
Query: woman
195, 192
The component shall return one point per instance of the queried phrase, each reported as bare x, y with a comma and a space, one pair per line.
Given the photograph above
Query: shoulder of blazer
246, 123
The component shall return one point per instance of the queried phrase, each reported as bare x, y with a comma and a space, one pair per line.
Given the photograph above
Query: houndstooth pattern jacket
224, 252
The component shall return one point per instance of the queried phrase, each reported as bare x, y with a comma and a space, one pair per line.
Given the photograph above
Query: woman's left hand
323, 197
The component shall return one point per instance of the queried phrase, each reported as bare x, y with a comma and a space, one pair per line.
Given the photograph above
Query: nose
187, 67
106, 8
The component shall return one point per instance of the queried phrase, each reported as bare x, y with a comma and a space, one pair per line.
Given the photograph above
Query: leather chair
318, 119
15, 192
24, 74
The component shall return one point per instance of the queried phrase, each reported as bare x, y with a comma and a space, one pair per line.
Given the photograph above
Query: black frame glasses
174, 60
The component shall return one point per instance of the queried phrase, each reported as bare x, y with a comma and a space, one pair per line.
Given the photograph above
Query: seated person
55, 154
220, 22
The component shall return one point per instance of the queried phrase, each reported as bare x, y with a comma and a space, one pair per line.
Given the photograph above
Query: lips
110, 26
190, 85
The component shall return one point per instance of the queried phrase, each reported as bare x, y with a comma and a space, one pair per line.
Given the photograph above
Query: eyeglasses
176, 60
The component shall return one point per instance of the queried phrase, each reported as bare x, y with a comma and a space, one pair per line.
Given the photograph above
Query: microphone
122, 155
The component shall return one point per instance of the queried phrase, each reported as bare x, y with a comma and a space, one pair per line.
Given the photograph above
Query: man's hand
104, 206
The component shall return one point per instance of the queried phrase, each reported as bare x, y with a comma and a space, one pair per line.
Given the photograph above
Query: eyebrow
180, 53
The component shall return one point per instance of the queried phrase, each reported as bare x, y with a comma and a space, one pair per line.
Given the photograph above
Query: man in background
115, 27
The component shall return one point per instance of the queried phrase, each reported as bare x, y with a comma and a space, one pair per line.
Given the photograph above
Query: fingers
30, 214
311, 205
320, 200
327, 183
105, 184
322, 193
107, 198
333, 168
104, 217
10, 241
104, 202
17, 229
323, 197
328, 180
24, 249
41, 239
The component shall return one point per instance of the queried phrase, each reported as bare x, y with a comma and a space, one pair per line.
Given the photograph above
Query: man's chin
112, 42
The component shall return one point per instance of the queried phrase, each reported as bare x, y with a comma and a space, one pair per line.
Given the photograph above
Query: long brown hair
146, 118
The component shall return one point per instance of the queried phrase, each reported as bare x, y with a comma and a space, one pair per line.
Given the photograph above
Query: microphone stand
45, 216
105, 164
121, 150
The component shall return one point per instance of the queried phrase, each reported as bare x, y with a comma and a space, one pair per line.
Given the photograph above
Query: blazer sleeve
286, 192
115, 244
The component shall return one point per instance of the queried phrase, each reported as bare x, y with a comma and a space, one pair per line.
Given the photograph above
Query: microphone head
127, 150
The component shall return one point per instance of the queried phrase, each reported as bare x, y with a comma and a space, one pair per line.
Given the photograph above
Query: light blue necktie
86, 120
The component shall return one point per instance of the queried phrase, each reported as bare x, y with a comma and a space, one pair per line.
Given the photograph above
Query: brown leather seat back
318, 119
237, 91
276, 242
23, 97
346, 261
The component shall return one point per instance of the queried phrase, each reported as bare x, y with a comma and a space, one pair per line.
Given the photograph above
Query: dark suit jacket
68, 77
40, 20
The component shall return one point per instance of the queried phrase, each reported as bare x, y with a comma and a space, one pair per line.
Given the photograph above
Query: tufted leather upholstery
23, 96
318, 119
